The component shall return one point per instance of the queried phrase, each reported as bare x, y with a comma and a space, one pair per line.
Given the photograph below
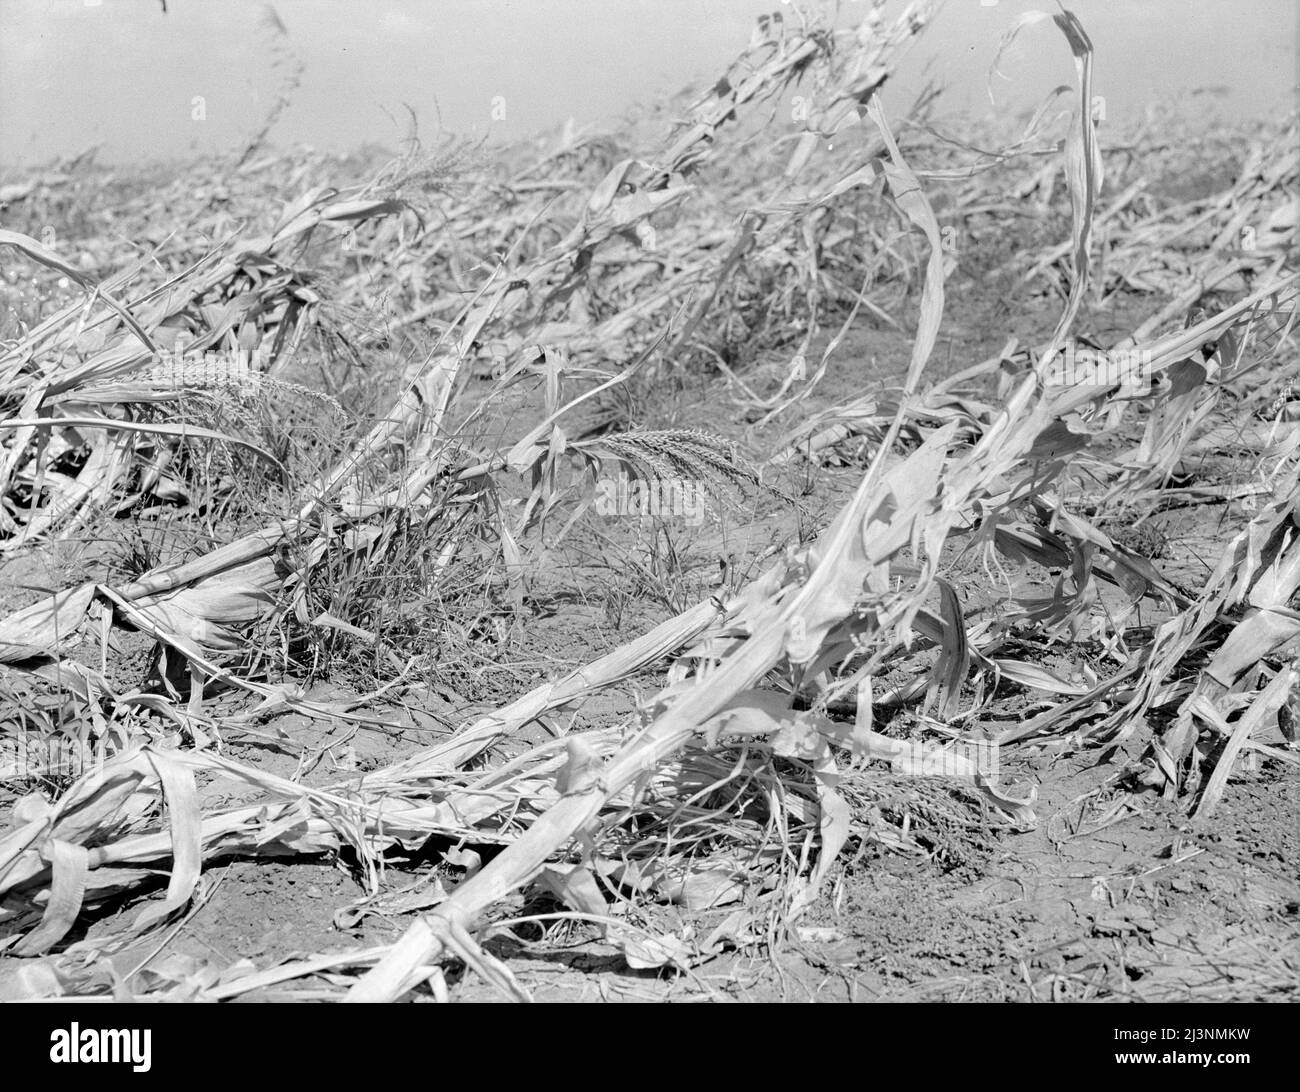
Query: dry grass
342, 489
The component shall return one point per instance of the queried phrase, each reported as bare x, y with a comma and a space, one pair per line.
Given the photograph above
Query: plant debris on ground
615, 566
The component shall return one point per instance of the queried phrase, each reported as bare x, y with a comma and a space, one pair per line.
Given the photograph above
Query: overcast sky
121, 74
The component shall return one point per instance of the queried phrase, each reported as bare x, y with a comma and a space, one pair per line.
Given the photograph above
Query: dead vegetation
341, 442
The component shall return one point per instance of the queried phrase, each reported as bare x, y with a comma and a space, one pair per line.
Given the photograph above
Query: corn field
635, 542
